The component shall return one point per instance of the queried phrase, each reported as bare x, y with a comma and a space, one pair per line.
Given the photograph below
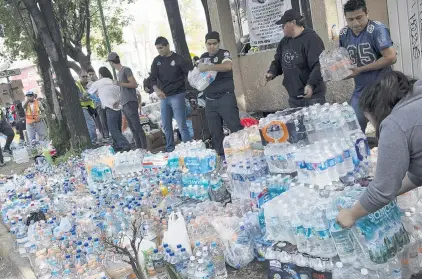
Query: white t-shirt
108, 92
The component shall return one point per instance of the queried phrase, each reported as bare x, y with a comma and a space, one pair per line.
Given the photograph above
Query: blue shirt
365, 49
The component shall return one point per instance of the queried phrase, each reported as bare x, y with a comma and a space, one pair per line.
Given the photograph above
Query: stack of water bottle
324, 144
201, 80
335, 64
246, 173
206, 262
196, 163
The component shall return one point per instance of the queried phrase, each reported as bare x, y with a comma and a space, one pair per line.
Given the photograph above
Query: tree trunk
49, 32
56, 124
207, 14
176, 26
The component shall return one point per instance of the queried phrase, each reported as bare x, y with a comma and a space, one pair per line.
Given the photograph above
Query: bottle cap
192, 258
364, 271
339, 264
407, 214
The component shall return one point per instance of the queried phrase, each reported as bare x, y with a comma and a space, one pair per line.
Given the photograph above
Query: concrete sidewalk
12, 265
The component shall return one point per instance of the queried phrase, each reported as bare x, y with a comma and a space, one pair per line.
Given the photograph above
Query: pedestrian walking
297, 58
169, 72
370, 47
128, 99
109, 94
34, 118
6, 130
221, 103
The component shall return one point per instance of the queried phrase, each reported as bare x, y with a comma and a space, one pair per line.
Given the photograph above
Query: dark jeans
114, 122
6, 130
354, 102
131, 113
219, 110
101, 121
302, 102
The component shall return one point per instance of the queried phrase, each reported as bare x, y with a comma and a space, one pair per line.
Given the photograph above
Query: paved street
8, 270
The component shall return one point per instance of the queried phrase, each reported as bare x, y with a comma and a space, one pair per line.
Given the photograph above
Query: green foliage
17, 40
72, 15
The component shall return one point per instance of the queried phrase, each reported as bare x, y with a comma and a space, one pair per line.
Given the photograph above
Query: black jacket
298, 59
170, 73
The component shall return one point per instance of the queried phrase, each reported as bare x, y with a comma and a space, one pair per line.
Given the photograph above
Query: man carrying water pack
370, 47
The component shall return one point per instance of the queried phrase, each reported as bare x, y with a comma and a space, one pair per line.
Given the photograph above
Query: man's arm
275, 67
226, 66
389, 57
383, 44
132, 81
314, 50
408, 184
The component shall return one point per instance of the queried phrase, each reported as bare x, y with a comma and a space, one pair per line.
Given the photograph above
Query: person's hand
345, 218
355, 72
203, 67
116, 105
116, 82
308, 92
160, 94
269, 77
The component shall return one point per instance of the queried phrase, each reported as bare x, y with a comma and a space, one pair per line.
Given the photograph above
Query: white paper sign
262, 16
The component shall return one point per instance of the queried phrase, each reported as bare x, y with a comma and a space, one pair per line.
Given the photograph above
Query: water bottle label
325, 234
290, 156
331, 162
300, 231
301, 165
322, 166
309, 166
346, 154
339, 159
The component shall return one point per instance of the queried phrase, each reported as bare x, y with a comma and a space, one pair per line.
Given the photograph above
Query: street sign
9, 73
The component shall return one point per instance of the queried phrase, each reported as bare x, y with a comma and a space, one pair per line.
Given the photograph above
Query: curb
8, 251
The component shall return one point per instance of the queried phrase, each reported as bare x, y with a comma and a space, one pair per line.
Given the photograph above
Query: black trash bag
35, 216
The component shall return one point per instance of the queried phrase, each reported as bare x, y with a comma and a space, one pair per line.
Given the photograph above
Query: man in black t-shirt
168, 79
221, 103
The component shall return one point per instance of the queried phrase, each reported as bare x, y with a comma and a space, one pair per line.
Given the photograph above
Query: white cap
192, 258
339, 264
364, 271
412, 209
407, 214
205, 248
198, 254
200, 261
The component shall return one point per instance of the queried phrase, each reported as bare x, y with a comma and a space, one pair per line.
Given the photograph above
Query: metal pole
100, 7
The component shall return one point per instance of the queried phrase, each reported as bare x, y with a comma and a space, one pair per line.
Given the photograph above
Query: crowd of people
389, 100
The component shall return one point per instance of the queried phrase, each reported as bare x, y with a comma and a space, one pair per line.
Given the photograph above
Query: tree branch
74, 66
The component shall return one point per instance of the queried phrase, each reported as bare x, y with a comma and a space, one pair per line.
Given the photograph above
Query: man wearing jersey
370, 47
221, 103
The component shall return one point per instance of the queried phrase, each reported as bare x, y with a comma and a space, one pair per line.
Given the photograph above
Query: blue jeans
354, 102
90, 123
174, 106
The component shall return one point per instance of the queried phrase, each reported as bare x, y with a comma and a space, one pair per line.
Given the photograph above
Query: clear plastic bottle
217, 255
343, 241
159, 264
191, 268
201, 270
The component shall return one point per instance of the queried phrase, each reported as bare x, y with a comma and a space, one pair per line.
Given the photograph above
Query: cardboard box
155, 140
16, 84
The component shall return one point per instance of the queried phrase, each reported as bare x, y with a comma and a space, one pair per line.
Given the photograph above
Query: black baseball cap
289, 15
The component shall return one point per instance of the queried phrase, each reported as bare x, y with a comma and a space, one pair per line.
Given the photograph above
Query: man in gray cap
129, 99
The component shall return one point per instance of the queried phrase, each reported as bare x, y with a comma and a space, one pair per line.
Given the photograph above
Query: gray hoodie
399, 151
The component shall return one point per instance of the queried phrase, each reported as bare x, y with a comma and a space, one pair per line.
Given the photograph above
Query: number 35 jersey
365, 49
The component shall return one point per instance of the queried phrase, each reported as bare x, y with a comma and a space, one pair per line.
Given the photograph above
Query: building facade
252, 92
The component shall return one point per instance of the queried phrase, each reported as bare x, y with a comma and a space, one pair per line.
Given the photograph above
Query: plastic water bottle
217, 255
201, 270
159, 264
344, 242
192, 268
